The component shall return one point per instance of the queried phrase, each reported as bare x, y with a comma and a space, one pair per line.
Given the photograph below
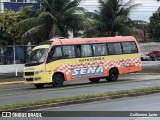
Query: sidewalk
10, 77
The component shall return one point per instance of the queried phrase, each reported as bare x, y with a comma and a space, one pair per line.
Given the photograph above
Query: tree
56, 18
112, 18
9, 32
91, 26
154, 26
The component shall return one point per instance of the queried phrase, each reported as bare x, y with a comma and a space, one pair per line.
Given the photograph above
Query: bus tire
113, 75
40, 85
57, 80
94, 80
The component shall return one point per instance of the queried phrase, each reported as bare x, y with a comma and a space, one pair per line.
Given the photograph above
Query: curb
92, 99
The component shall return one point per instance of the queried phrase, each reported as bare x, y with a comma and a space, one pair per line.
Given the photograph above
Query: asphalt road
21, 92
142, 103
14, 93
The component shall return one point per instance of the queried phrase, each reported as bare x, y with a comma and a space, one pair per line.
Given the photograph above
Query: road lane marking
14, 82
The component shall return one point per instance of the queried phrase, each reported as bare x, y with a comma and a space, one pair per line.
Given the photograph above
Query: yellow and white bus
58, 60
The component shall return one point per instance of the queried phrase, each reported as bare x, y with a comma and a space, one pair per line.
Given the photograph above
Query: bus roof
76, 41
92, 40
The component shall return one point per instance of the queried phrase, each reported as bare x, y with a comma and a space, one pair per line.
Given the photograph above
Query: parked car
144, 57
154, 55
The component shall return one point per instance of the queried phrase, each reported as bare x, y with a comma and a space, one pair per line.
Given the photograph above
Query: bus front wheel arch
113, 75
57, 80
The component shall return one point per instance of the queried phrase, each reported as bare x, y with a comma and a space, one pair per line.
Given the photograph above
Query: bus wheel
94, 80
41, 85
58, 80
113, 75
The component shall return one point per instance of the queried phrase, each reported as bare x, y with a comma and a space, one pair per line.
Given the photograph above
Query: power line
128, 6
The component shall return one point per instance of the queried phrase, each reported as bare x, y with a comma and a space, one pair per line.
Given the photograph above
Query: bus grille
29, 73
29, 79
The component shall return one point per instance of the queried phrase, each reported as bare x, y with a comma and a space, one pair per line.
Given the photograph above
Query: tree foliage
56, 18
10, 33
112, 18
154, 27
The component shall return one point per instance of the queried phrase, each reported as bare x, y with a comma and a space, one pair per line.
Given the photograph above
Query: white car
145, 57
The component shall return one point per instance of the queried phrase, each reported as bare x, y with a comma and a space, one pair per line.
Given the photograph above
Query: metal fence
14, 54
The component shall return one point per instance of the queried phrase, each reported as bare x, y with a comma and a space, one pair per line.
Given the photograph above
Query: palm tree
55, 18
112, 18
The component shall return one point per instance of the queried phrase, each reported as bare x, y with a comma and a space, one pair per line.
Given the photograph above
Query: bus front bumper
40, 77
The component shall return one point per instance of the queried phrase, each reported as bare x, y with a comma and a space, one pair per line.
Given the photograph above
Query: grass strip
37, 104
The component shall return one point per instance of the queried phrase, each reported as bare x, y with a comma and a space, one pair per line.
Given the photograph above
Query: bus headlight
38, 72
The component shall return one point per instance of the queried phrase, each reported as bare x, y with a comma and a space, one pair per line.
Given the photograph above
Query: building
140, 34
140, 30
16, 4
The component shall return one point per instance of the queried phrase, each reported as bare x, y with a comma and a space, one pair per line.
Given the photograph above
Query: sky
143, 12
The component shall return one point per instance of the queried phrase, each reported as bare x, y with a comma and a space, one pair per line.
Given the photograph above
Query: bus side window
55, 54
99, 49
114, 48
86, 50
134, 47
129, 47
69, 51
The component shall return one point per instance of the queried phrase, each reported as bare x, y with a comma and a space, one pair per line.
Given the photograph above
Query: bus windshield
37, 56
